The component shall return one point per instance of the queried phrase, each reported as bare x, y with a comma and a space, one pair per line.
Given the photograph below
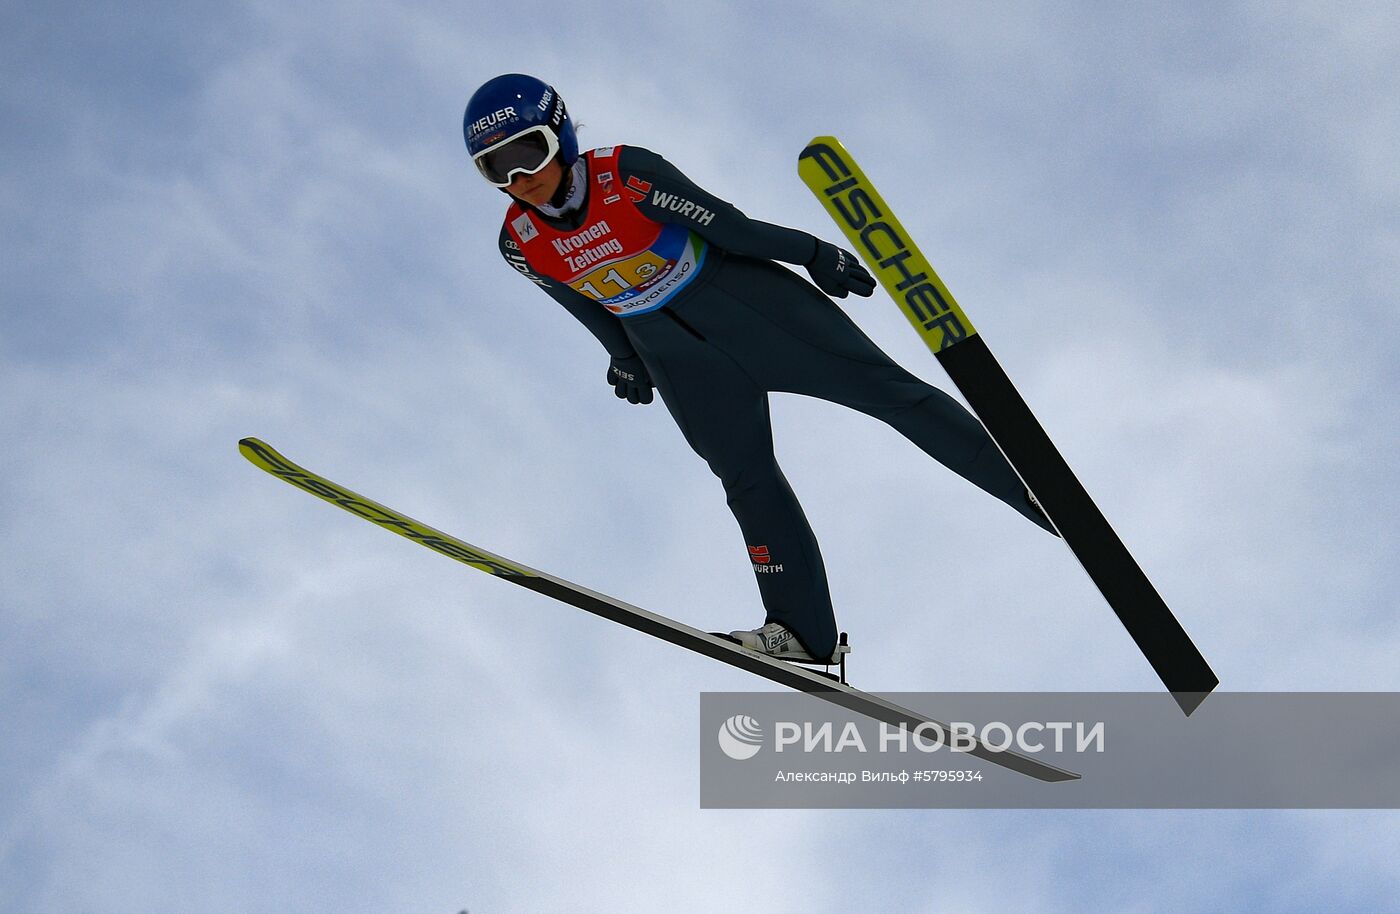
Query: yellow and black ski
719, 647
849, 197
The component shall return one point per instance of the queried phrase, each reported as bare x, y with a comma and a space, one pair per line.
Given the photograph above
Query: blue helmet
517, 124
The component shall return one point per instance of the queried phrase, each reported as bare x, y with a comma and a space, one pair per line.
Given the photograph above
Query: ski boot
774, 640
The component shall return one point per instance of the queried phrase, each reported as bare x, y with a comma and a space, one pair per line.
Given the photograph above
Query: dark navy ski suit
735, 327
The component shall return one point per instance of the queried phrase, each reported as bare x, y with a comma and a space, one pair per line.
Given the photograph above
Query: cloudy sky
1177, 226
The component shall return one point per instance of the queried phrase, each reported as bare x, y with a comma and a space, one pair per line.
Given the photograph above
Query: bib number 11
608, 282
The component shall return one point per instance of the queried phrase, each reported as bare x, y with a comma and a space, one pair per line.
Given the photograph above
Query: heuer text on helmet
491, 121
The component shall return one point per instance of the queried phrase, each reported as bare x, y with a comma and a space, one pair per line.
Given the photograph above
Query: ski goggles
523, 154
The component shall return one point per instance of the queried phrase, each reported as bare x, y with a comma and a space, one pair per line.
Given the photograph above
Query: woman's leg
724, 416
793, 338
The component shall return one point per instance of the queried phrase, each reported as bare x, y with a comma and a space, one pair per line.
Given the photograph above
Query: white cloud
1173, 230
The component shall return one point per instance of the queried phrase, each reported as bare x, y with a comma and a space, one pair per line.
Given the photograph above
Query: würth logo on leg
763, 560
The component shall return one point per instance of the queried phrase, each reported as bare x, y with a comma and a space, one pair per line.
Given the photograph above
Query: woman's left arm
667, 195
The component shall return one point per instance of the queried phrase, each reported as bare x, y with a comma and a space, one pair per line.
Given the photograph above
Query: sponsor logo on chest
524, 227
589, 256
605, 178
580, 240
583, 249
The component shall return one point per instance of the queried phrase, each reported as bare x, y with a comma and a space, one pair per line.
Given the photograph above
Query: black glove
630, 380
837, 272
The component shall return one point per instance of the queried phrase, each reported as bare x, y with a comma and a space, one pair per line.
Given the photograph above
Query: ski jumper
656, 267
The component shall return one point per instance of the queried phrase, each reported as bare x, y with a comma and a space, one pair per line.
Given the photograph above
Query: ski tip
250, 447
822, 148
261, 454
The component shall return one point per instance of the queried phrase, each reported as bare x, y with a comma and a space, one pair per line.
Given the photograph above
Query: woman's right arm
600, 322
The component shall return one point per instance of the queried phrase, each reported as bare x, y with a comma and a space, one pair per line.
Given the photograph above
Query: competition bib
618, 257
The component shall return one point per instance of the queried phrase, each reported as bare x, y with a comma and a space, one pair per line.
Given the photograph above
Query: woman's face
537, 188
